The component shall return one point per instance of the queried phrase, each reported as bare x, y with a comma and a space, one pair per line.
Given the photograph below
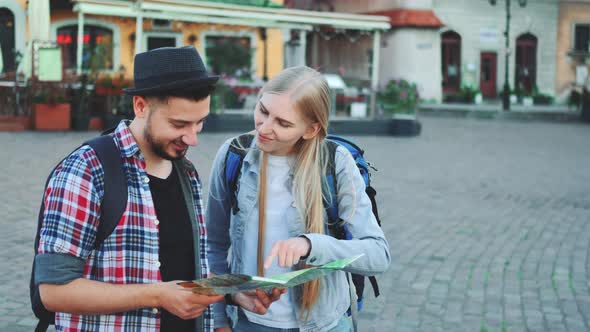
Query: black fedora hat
168, 68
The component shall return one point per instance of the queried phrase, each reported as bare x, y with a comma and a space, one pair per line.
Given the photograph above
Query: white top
281, 313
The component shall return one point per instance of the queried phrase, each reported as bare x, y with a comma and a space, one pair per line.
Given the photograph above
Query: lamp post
506, 89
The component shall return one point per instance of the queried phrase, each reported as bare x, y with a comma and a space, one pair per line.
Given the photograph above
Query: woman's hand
257, 301
288, 252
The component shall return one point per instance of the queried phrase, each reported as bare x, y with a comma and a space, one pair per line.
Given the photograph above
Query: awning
213, 12
231, 14
402, 18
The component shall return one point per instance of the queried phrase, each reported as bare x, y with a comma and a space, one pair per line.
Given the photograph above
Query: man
130, 282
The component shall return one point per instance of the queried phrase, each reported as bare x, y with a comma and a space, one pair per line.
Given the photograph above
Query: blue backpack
338, 229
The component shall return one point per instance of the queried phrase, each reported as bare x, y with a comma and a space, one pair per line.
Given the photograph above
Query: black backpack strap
375, 286
114, 200
371, 192
43, 325
233, 165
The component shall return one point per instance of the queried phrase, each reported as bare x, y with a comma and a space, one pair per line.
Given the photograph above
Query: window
7, 40
97, 52
229, 55
581, 37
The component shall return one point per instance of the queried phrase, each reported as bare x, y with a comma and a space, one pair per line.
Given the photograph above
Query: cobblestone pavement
488, 222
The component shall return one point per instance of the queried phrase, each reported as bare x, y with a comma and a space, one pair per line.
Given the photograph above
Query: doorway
487, 74
451, 62
526, 63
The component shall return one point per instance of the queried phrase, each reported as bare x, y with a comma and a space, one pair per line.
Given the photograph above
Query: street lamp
506, 89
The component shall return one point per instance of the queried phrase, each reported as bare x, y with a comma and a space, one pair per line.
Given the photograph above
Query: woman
279, 192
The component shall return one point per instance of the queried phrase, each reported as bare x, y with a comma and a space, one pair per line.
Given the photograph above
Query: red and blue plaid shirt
130, 254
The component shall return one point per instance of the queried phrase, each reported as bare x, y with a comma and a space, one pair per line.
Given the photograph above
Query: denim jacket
225, 234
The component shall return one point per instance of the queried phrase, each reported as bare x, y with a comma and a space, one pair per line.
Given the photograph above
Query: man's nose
190, 139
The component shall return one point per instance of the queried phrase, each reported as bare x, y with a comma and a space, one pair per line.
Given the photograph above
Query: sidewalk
553, 113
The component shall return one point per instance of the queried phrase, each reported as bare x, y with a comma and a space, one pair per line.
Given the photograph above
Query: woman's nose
265, 126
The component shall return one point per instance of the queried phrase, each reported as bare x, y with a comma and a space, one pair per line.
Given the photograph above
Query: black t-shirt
177, 257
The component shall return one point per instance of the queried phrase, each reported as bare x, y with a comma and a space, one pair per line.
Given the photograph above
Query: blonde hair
310, 95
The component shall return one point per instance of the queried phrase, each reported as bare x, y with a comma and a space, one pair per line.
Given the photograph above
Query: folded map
233, 283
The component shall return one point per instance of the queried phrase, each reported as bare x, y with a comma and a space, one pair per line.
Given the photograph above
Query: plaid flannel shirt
130, 254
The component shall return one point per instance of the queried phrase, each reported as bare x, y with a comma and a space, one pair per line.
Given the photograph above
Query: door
487, 74
526, 63
451, 62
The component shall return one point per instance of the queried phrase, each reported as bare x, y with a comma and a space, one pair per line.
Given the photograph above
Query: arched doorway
451, 62
526, 62
7, 40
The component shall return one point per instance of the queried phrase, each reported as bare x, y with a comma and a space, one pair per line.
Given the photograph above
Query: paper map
233, 283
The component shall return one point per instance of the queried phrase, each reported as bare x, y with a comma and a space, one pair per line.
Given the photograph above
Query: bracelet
229, 300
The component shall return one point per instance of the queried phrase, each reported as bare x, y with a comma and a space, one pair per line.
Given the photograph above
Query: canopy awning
213, 12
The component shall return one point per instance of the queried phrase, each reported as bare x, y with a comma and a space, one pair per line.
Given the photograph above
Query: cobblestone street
488, 223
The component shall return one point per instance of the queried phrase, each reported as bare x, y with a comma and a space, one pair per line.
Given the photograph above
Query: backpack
233, 164
112, 207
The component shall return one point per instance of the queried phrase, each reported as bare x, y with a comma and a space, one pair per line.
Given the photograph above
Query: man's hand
223, 329
257, 301
182, 302
288, 252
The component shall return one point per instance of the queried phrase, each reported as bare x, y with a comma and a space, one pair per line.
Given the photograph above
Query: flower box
52, 116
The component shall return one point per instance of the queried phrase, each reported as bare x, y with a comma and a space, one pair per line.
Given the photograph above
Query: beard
159, 147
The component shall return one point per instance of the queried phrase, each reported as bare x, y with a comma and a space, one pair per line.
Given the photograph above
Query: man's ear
312, 130
140, 106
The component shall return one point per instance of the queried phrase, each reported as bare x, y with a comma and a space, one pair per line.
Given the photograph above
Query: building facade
573, 46
270, 32
245, 41
447, 46
473, 45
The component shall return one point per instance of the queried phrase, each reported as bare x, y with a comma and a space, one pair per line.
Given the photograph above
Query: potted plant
574, 99
118, 106
51, 111
469, 94
81, 92
527, 97
540, 98
478, 99
400, 99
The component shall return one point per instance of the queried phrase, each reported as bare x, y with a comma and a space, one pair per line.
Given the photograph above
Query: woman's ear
312, 130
